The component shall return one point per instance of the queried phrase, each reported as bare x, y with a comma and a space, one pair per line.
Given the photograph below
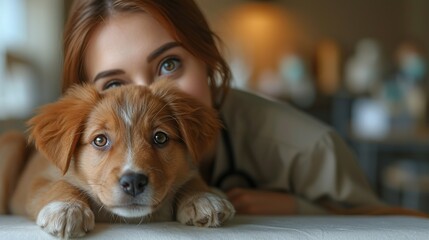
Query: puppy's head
129, 148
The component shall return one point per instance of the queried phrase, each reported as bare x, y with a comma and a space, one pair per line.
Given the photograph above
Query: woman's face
133, 48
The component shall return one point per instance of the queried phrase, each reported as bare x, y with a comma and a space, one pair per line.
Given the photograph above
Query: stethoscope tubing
232, 168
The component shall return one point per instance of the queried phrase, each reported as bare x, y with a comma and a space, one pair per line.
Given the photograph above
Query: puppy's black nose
133, 183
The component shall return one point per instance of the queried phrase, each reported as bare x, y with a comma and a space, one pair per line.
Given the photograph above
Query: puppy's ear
199, 125
57, 127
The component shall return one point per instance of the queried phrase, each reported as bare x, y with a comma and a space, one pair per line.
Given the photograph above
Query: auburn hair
182, 19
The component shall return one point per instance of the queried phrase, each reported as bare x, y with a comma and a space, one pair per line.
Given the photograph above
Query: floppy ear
57, 127
198, 124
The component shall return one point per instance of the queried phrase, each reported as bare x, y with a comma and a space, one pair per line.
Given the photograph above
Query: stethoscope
232, 175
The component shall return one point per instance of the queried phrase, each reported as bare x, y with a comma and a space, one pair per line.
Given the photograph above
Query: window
16, 95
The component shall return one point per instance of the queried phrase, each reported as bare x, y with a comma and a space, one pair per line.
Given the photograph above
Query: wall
388, 21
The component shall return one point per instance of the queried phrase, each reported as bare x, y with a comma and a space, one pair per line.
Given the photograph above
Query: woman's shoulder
252, 115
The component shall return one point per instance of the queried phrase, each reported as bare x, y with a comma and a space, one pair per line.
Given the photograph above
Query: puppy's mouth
133, 210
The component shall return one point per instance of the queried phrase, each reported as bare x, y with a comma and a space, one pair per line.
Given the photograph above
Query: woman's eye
169, 66
112, 84
160, 138
101, 142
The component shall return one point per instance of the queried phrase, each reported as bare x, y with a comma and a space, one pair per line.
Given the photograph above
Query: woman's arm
264, 202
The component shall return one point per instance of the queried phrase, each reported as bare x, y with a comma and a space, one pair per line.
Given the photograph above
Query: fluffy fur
128, 154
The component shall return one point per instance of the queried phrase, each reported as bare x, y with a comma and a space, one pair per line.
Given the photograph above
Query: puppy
128, 154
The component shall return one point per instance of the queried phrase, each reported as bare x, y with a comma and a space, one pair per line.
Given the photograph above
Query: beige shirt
283, 149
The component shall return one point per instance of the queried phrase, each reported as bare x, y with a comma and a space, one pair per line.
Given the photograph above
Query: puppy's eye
101, 141
160, 138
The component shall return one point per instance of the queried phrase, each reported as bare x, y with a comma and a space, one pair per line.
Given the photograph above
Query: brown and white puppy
129, 153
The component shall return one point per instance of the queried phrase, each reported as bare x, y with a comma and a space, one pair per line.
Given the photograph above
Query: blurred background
360, 66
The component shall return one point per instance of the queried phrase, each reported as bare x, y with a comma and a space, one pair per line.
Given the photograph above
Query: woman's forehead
124, 38
131, 28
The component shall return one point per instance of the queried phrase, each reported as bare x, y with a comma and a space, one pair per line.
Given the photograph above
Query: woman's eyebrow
162, 49
108, 73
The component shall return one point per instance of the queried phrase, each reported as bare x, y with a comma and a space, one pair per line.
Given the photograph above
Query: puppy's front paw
66, 219
205, 210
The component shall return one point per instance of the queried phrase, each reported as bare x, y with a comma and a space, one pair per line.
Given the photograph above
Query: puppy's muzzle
133, 183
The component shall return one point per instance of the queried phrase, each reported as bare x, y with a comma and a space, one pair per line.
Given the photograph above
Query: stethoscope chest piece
234, 178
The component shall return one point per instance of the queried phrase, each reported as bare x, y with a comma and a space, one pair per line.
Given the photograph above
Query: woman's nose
142, 81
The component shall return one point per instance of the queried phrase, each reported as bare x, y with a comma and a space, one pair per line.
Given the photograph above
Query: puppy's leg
197, 205
61, 209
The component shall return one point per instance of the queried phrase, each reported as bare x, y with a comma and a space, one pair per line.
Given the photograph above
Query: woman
296, 165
